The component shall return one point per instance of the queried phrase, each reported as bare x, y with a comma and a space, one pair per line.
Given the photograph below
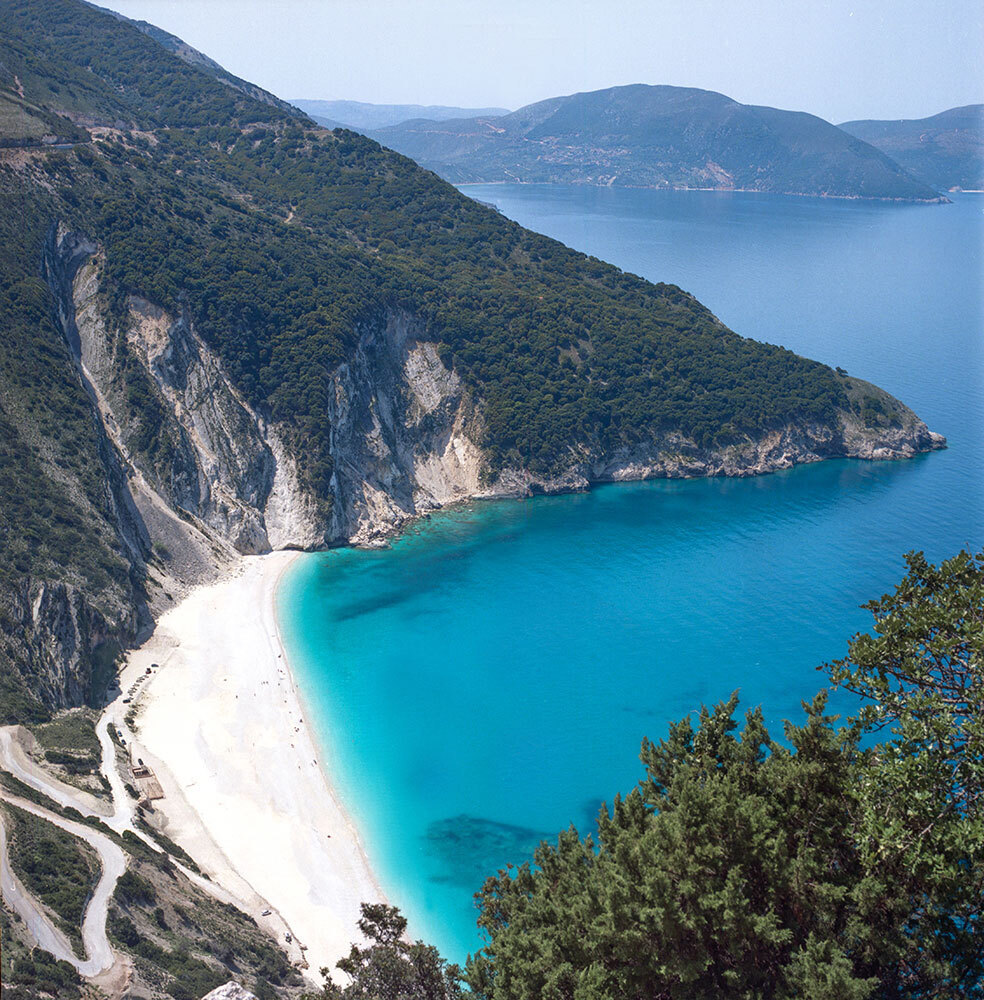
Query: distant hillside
641, 136
945, 150
363, 117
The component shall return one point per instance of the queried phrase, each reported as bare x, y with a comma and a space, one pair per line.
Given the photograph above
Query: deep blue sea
487, 680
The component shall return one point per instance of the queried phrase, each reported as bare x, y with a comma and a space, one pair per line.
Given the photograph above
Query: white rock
229, 991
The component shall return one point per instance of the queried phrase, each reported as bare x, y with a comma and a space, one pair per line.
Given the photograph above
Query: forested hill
76, 61
224, 329
362, 116
642, 136
944, 150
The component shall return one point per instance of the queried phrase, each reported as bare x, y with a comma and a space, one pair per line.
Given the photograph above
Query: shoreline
246, 793
217, 715
941, 199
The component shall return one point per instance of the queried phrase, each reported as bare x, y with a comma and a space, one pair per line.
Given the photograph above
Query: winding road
99, 953
100, 958
23, 904
109, 970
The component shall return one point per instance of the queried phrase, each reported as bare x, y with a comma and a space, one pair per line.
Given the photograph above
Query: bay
487, 680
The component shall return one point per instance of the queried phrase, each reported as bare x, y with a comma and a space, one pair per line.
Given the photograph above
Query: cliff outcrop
209, 457
403, 433
196, 476
406, 433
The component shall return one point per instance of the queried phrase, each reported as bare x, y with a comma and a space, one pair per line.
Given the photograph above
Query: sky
840, 59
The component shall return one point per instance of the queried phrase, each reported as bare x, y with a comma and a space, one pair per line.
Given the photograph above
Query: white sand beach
222, 726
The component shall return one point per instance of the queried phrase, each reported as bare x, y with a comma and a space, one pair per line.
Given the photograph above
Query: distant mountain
642, 136
363, 117
945, 150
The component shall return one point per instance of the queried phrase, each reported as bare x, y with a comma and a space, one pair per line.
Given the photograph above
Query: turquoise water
488, 680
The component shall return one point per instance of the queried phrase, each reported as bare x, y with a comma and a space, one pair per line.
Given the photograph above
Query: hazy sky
840, 59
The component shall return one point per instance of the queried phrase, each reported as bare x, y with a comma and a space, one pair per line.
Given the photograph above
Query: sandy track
26, 907
15, 760
99, 953
119, 817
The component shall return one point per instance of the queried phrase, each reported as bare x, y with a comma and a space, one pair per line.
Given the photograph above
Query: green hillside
72, 58
642, 136
944, 150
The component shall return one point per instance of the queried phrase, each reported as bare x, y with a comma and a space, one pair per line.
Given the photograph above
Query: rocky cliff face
405, 436
62, 626
198, 477
215, 469
68, 641
214, 460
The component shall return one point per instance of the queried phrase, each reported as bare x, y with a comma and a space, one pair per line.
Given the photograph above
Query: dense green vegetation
71, 750
30, 973
562, 349
77, 765
840, 863
57, 868
185, 943
72, 733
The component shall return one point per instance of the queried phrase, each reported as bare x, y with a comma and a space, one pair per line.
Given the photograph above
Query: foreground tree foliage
921, 793
844, 863
390, 968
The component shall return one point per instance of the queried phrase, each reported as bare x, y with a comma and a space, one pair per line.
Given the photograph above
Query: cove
488, 679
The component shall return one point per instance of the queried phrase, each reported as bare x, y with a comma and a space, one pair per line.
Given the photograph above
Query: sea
487, 680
